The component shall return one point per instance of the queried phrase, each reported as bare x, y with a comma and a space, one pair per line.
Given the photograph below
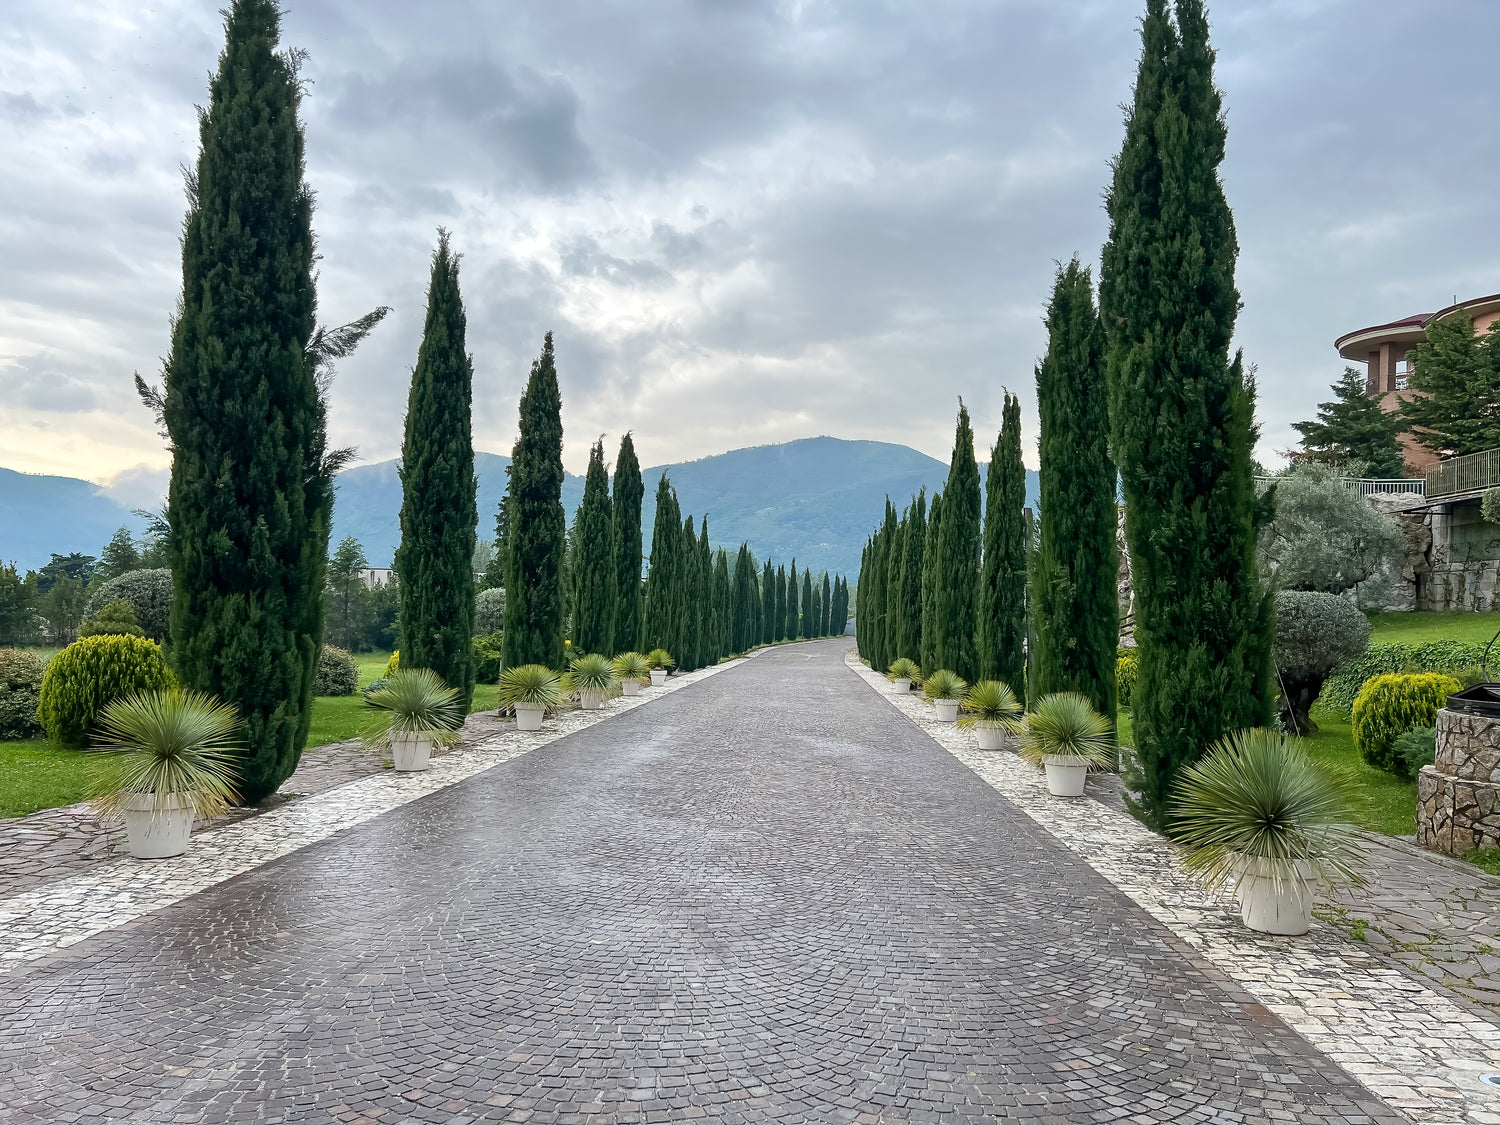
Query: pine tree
780, 621
1001, 632
931, 589
251, 493
596, 579
626, 517
908, 642
804, 622
118, 557
1182, 416
1455, 375
537, 536
958, 557
767, 604
347, 597
663, 627
1354, 429
1074, 601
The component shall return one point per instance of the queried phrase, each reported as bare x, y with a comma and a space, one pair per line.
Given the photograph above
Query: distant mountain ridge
815, 500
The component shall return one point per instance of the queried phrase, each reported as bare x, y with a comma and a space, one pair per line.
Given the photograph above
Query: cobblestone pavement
765, 897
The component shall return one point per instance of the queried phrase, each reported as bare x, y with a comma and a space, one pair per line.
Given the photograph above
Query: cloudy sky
745, 221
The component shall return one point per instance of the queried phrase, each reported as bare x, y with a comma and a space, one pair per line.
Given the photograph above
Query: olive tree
1315, 632
1324, 535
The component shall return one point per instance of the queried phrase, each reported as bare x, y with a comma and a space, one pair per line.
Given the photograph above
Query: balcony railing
1370, 486
1472, 472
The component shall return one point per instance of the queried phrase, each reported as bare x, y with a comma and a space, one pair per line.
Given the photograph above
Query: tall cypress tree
435, 561
767, 604
861, 637
663, 587
792, 614
744, 594
880, 551
1074, 601
931, 590
815, 619
1182, 416
958, 557
723, 605
251, 492
625, 512
689, 603
708, 653
1002, 585
895, 616
538, 528
804, 626
780, 619
596, 579
826, 618
908, 641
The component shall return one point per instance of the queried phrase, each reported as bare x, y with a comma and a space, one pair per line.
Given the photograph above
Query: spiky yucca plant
170, 744
414, 701
593, 672
530, 683
943, 684
660, 658
989, 703
1066, 725
633, 666
903, 669
1258, 795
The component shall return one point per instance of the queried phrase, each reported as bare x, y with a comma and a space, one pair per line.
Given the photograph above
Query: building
1385, 350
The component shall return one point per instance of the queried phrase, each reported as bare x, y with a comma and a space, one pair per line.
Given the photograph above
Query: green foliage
632, 666
169, 743
1324, 536
1066, 725
747, 602
659, 658
1456, 376
79, 567
1127, 668
337, 672
1416, 748
1315, 633
825, 604
724, 603
391, 665
489, 654
767, 632
778, 632
18, 605
1489, 505
116, 618
903, 669
804, 620
489, 613
664, 609
20, 691
530, 683
92, 673
1001, 612
538, 529
1257, 794
1182, 416
61, 607
792, 616
597, 578
991, 703
1389, 706
931, 587
119, 556
347, 599
149, 593
625, 512
594, 673
689, 598
958, 547
1341, 688
1354, 430
415, 701
943, 684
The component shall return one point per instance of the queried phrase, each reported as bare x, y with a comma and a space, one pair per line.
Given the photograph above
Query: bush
20, 689
149, 593
337, 673
1389, 706
489, 614
90, 674
488, 655
392, 665
1314, 634
1452, 657
1127, 668
1417, 748
117, 618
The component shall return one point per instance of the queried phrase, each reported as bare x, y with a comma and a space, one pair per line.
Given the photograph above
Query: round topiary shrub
1389, 706
1315, 633
1127, 669
20, 689
90, 674
337, 673
149, 593
489, 612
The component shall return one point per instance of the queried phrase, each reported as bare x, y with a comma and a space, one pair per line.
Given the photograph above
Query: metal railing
1370, 486
1472, 472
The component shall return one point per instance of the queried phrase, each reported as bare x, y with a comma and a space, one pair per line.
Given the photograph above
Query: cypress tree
780, 621
1182, 416
790, 628
880, 656
931, 607
708, 631
537, 537
825, 619
744, 594
958, 557
861, 643
435, 561
815, 629
596, 578
690, 604
723, 606
626, 519
1075, 570
805, 621
251, 491
767, 604
841, 623
1001, 637
663, 586
908, 641
895, 619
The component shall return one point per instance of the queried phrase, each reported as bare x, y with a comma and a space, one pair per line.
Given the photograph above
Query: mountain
40, 516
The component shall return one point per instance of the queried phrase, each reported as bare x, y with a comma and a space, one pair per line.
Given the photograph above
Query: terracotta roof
1417, 320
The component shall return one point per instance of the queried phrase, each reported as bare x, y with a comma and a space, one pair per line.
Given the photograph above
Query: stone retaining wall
1458, 796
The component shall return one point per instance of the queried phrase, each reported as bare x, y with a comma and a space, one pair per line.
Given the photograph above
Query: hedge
1341, 688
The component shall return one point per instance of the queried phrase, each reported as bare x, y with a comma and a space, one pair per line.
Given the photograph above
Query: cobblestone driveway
766, 897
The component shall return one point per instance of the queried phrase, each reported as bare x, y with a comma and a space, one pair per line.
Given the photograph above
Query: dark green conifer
1354, 428
1001, 639
825, 619
708, 633
931, 589
744, 596
958, 557
664, 584
723, 605
908, 641
780, 603
767, 604
596, 579
804, 621
626, 516
792, 614
689, 600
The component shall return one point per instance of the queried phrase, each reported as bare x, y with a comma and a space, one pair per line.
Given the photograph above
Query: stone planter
156, 828
529, 716
1273, 907
658, 677
947, 710
412, 752
1065, 774
630, 687
591, 700
1458, 796
901, 686
990, 738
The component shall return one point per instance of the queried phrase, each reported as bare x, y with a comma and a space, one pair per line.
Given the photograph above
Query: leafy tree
19, 599
1182, 416
1456, 376
626, 513
767, 604
958, 548
931, 589
1000, 637
1075, 569
383, 626
537, 535
598, 578
118, 557
1354, 430
76, 566
347, 598
1315, 633
1325, 536
664, 584
61, 608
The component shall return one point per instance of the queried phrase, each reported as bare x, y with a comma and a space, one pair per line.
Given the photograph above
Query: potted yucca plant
661, 663
1257, 809
944, 690
594, 680
1067, 736
902, 673
991, 711
531, 689
634, 670
174, 758
414, 711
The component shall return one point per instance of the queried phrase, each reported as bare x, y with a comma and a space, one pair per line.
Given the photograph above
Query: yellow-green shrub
1127, 666
90, 674
391, 665
1389, 706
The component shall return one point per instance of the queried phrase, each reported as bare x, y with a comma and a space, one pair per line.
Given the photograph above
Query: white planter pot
658, 677
412, 752
156, 831
947, 710
529, 716
1272, 909
590, 700
630, 687
902, 686
990, 738
1065, 775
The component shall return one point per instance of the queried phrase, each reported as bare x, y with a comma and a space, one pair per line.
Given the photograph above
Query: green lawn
1419, 628
34, 775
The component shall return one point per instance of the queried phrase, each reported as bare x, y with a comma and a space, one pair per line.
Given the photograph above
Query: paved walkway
764, 897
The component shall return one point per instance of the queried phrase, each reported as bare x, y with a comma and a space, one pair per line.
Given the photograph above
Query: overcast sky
745, 222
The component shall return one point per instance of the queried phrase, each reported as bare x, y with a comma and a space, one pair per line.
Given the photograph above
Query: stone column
1458, 796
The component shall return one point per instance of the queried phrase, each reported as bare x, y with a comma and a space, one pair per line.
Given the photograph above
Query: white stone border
35, 922
1415, 1048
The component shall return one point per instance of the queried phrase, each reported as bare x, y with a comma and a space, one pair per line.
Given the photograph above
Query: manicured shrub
20, 688
488, 651
149, 593
392, 665
337, 673
1452, 657
92, 673
1417, 748
1315, 632
489, 617
1389, 706
1127, 667
116, 618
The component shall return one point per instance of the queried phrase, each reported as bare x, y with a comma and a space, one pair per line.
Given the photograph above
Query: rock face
1458, 796
1450, 560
